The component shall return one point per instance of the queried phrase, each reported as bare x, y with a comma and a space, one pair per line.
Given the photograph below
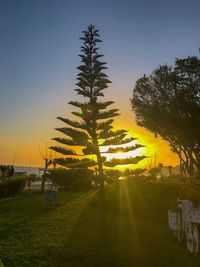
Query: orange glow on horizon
22, 152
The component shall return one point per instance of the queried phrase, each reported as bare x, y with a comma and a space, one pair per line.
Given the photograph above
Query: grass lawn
134, 233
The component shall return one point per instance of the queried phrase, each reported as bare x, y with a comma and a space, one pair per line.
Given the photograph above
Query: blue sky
39, 54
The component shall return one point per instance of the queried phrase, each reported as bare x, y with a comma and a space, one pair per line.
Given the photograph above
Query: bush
6, 171
12, 186
76, 179
113, 173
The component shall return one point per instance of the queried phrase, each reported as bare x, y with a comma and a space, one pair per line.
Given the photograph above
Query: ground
134, 231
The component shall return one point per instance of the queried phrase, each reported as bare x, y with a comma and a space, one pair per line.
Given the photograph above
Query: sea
29, 170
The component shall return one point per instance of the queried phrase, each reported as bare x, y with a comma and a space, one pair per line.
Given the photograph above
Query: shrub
12, 186
75, 179
113, 173
6, 171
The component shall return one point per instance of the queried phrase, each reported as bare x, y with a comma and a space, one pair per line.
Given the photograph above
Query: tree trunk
102, 191
101, 174
44, 177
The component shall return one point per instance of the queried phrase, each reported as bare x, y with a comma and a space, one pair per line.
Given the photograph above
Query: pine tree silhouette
94, 128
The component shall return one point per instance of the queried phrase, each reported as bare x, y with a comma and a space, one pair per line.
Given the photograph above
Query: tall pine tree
94, 128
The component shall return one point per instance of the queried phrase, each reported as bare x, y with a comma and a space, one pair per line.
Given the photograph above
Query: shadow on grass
134, 231
131, 235
31, 234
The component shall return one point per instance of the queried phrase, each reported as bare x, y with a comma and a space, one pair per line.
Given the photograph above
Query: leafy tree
94, 129
174, 94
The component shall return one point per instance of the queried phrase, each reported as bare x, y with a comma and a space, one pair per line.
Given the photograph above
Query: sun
145, 149
122, 155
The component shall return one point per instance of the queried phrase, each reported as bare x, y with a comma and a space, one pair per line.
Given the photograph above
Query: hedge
72, 180
12, 186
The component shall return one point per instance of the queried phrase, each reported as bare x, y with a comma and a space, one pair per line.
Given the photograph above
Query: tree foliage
93, 129
167, 103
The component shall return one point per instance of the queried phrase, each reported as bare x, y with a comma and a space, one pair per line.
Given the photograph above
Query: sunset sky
39, 50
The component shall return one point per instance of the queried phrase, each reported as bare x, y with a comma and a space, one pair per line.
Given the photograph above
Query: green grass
134, 233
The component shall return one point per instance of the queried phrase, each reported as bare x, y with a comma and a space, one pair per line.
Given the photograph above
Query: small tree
94, 129
48, 159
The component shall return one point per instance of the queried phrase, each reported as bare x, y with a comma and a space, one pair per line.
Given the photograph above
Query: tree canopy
167, 102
